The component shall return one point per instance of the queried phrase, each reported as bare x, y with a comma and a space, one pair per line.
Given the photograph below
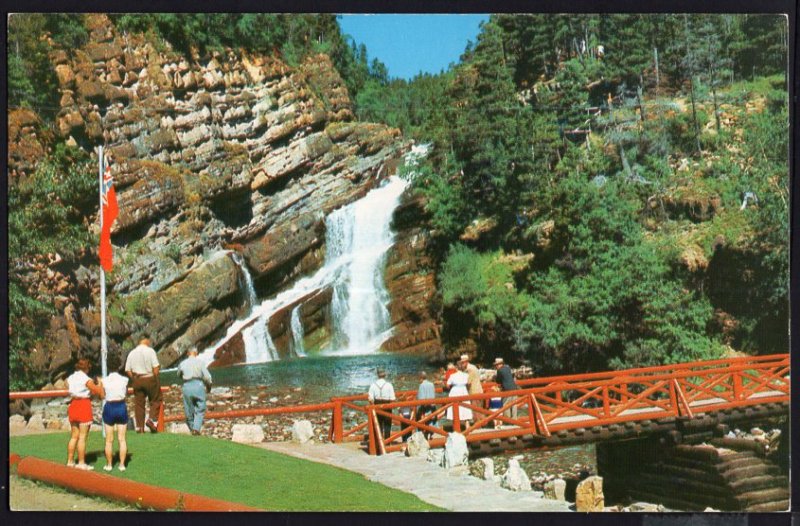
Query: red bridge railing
548, 405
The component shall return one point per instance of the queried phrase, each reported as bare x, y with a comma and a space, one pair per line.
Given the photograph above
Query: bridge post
606, 403
737, 385
456, 419
371, 427
624, 389
160, 426
673, 399
337, 421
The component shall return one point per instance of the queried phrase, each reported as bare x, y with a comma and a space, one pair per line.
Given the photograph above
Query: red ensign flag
109, 211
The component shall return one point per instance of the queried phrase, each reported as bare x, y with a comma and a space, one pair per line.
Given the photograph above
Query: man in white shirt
142, 366
382, 392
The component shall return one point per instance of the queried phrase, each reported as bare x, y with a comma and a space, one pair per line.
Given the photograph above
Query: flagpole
103, 347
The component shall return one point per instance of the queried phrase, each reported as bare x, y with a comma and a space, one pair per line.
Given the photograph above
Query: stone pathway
453, 491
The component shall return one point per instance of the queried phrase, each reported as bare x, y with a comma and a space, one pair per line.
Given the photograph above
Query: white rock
179, 428
273, 399
16, 424
220, 390
646, 507
247, 433
555, 489
302, 431
515, 479
455, 451
417, 445
487, 468
435, 456
36, 423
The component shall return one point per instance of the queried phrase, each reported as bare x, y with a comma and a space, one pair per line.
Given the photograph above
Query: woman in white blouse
458, 387
81, 389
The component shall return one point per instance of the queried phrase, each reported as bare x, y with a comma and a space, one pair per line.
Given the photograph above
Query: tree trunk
694, 115
658, 80
714, 98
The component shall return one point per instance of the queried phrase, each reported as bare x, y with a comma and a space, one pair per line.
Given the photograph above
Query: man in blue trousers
196, 382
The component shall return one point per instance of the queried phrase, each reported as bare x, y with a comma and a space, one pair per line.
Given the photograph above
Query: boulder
483, 468
515, 478
417, 445
555, 489
589, 495
455, 451
436, 456
54, 423
179, 428
36, 423
247, 433
16, 424
646, 507
19, 407
302, 431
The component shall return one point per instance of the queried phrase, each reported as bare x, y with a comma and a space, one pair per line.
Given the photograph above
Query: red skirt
80, 411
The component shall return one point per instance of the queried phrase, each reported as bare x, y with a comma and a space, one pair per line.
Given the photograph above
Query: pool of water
322, 377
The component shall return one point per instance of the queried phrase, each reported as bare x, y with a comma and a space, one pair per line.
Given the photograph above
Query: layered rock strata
228, 152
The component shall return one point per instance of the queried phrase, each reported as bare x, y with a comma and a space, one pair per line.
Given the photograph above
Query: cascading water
297, 333
361, 232
252, 299
357, 237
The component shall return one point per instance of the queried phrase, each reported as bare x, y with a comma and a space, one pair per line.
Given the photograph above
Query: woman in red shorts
81, 389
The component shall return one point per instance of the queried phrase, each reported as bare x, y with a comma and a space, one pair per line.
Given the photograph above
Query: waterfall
258, 344
252, 299
358, 237
361, 232
297, 332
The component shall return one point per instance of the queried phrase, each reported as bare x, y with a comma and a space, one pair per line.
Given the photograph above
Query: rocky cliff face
232, 153
411, 283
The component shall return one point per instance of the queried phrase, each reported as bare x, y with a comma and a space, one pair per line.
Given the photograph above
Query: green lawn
233, 472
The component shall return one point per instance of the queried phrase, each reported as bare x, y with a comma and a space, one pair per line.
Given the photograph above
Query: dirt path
26, 495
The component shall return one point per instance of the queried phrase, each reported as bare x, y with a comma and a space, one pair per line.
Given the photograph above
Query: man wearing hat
382, 392
506, 380
474, 386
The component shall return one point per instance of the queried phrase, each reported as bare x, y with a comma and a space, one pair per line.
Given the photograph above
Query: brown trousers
146, 388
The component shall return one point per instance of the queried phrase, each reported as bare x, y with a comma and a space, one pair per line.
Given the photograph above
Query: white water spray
252, 299
297, 333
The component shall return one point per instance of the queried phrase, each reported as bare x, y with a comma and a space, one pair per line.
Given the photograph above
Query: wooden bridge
684, 402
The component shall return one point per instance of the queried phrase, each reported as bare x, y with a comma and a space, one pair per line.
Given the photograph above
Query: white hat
498, 361
464, 358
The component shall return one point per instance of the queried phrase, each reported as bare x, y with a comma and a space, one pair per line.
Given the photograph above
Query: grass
234, 472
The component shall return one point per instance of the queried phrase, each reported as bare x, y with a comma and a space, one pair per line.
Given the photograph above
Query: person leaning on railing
382, 392
81, 389
505, 377
425, 391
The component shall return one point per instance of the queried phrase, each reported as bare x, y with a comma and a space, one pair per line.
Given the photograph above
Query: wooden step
762, 496
758, 483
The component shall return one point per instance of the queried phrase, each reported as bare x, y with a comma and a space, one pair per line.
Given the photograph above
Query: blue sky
408, 44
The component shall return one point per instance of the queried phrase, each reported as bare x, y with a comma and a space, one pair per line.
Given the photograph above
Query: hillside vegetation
607, 191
